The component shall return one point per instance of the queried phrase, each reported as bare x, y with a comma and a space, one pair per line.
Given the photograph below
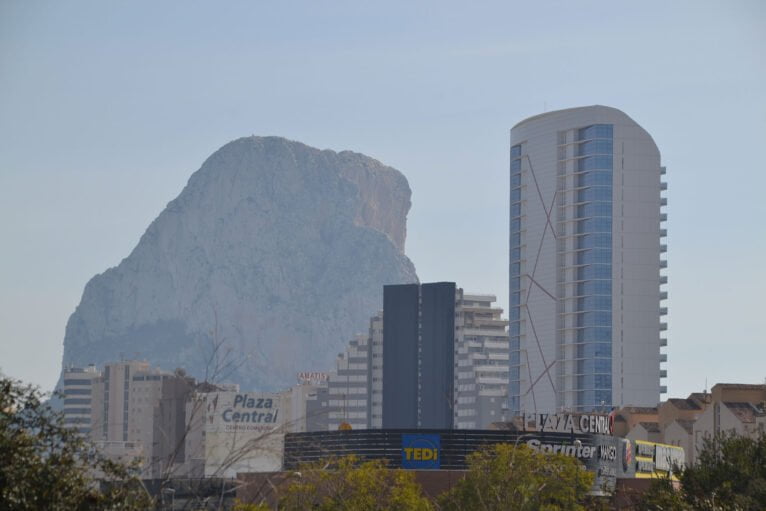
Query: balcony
663, 357
663, 342
663, 263
663, 373
664, 201
663, 311
663, 389
663, 326
663, 279
663, 248
663, 233
663, 171
663, 295
663, 217
663, 186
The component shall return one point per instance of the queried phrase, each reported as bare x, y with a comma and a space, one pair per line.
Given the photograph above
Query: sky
107, 108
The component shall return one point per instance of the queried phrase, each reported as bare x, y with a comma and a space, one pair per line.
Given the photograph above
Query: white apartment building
481, 353
78, 405
349, 387
586, 263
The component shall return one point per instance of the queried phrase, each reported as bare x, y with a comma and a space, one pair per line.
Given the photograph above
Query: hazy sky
107, 108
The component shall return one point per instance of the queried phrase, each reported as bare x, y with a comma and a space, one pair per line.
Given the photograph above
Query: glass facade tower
585, 261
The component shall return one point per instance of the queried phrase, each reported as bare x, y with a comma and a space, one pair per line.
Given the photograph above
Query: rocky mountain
274, 252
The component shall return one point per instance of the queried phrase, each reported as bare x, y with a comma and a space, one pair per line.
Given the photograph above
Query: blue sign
421, 451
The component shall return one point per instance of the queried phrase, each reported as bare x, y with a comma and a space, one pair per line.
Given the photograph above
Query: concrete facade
585, 263
481, 351
78, 396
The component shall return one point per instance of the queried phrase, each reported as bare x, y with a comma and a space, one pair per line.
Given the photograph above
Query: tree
508, 477
46, 465
345, 484
729, 473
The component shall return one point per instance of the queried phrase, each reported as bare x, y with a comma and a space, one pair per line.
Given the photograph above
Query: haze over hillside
275, 250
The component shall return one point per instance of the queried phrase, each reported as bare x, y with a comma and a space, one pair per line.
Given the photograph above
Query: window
595, 147
516, 151
595, 178
594, 271
597, 193
597, 224
594, 319
594, 209
595, 240
595, 131
77, 382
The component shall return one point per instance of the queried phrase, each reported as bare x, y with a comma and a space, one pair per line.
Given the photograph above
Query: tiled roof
745, 412
684, 404
741, 386
650, 427
640, 409
700, 396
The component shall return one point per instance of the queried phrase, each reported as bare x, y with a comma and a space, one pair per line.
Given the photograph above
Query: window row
587, 210
594, 271
602, 162
594, 256
594, 287
595, 178
594, 319
595, 350
593, 131
594, 365
594, 382
594, 334
595, 147
595, 303
597, 193
595, 240
600, 400
596, 224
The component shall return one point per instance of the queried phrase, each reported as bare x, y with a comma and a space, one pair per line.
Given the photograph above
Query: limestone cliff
275, 250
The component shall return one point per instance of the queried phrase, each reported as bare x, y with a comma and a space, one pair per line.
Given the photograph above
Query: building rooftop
639, 409
684, 404
741, 386
650, 427
745, 412
700, 397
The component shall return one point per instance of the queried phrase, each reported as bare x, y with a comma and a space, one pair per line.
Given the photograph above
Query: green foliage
509, 478
45, 465
728, 474
345, 484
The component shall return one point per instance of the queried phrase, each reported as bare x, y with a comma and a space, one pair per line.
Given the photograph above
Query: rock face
275, 252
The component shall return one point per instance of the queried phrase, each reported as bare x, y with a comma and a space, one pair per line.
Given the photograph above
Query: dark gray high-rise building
418, 355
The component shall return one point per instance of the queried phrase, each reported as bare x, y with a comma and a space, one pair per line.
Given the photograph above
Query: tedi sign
572, 423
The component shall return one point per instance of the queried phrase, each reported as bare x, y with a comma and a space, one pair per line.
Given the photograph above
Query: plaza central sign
572, 423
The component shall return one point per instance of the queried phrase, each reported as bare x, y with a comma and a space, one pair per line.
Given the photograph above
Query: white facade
585, 270
481, 353
78, 405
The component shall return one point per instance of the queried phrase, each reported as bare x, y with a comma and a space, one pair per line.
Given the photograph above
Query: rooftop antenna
705, 391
